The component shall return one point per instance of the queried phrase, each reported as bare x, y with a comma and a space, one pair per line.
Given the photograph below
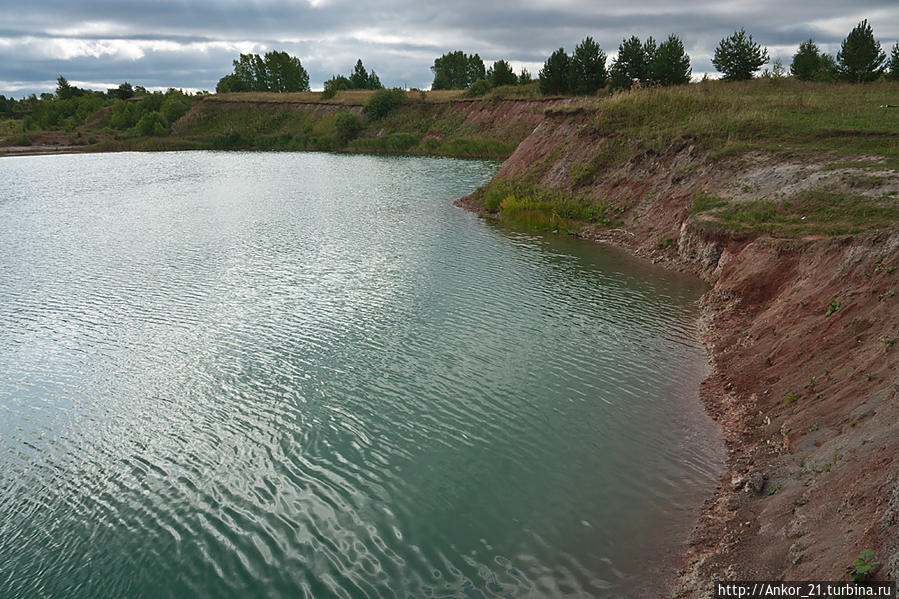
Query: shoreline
753, 526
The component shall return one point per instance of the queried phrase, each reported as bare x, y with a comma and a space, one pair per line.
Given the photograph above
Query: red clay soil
808, 403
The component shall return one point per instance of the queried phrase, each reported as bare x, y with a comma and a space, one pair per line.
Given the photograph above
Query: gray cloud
190, 43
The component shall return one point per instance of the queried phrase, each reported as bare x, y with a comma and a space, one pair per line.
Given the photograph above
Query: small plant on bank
706, 200
775, 489
832, 307
889, 293
890, 342
665, 243
790, 396
863, 567
581, 174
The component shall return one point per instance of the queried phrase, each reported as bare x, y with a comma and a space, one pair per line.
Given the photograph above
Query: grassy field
768, 114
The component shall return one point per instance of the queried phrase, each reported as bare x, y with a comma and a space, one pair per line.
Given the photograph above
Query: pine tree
630, 64
893, 64
738, 57
501, 74
670, 64
587, 69
554, 74
860, 57
64, 90
806, 62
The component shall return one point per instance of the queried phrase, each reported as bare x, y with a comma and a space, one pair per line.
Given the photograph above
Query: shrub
152, 123
478, 88
348, 126
174, 106
382, 102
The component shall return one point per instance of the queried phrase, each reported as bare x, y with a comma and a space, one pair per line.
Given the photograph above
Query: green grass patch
523, 204
705, 200
811, 212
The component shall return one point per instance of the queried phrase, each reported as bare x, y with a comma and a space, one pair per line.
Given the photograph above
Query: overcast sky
190, 43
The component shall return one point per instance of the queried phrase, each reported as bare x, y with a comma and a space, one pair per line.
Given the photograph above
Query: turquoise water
309, 375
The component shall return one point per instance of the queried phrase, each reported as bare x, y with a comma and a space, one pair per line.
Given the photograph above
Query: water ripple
321, 380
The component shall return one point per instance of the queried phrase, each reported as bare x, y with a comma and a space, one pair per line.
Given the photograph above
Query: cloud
191, 44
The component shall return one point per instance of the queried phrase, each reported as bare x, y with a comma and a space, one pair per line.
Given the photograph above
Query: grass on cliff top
766, 114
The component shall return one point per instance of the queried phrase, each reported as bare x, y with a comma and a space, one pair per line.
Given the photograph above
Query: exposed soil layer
806, 392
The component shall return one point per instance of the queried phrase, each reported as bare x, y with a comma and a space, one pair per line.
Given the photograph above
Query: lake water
309, 375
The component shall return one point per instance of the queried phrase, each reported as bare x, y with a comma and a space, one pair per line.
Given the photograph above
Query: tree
476, 70
806, 62
284, 73
860, 57
893, 64
738, 56
554, 74
828, 69
501, 73
122, 92
524, 76
359, 78
630, 64
457, 70
174, 106
274, 72
587, 69
670, 63
64, 91
230, 83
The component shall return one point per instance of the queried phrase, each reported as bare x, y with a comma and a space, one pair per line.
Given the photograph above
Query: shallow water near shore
309, 375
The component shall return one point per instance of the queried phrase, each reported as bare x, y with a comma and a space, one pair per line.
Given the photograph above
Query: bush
174, 106
348, 126
478, 88
152, 123
382, 102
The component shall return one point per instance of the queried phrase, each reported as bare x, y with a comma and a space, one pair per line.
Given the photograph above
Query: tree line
133, 108
738, 57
